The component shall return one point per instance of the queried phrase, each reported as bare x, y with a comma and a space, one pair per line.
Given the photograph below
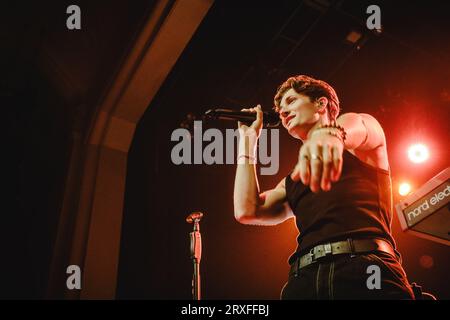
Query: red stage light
426, 261
418, 153
404, 189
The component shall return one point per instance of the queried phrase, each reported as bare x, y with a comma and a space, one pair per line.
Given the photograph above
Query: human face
298, 114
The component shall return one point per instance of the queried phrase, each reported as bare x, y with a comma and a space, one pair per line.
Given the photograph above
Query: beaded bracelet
340, 134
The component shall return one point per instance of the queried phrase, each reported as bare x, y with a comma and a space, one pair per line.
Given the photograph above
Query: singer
339, 193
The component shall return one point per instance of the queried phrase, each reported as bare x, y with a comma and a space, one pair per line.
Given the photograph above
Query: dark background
239, 55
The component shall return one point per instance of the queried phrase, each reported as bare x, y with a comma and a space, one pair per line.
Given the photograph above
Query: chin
294, 132
296, 136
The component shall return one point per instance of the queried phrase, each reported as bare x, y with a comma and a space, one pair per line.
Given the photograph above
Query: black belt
348, 246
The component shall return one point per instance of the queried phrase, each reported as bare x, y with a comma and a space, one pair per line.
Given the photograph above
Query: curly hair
312, 88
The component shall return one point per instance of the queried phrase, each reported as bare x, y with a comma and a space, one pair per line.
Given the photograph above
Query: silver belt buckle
327, 248
311, 254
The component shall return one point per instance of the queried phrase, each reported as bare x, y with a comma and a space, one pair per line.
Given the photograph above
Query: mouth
288, 120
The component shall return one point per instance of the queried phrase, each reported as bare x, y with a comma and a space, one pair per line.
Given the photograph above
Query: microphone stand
196, 253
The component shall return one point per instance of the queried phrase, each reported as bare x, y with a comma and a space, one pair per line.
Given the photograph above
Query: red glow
426, 261
418, 153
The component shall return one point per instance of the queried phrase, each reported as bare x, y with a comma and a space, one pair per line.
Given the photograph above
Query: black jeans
347, 277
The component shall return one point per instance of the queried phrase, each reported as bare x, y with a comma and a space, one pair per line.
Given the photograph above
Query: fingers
327, 163
305, 172
316, 167
302, 170
244, 124
337, 163
255, 109
259, 113
256, 125
295, 175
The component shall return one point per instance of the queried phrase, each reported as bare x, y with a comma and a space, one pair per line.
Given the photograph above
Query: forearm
246, 191
246, 188
363, 131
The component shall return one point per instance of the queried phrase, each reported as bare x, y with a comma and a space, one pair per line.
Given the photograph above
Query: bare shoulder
377, 156
371, 121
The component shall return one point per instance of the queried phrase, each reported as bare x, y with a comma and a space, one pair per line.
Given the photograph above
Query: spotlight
418, 153
353, 36
404, 189
426, 261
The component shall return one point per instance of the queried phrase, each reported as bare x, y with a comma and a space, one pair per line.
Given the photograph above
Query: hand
256, 126
320, 162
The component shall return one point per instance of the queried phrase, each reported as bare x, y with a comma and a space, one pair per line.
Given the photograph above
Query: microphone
270, 119
194, 216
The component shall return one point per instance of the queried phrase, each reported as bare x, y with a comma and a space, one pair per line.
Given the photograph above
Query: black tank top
359, 205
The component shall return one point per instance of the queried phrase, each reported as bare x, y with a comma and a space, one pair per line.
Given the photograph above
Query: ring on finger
316, 157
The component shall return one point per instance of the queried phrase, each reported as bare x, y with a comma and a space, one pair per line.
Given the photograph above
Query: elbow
242, 219
250, 221
244, 215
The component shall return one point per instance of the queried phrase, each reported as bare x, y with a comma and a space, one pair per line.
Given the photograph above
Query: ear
322, 103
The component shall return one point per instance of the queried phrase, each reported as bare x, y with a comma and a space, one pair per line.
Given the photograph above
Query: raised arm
251, 206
